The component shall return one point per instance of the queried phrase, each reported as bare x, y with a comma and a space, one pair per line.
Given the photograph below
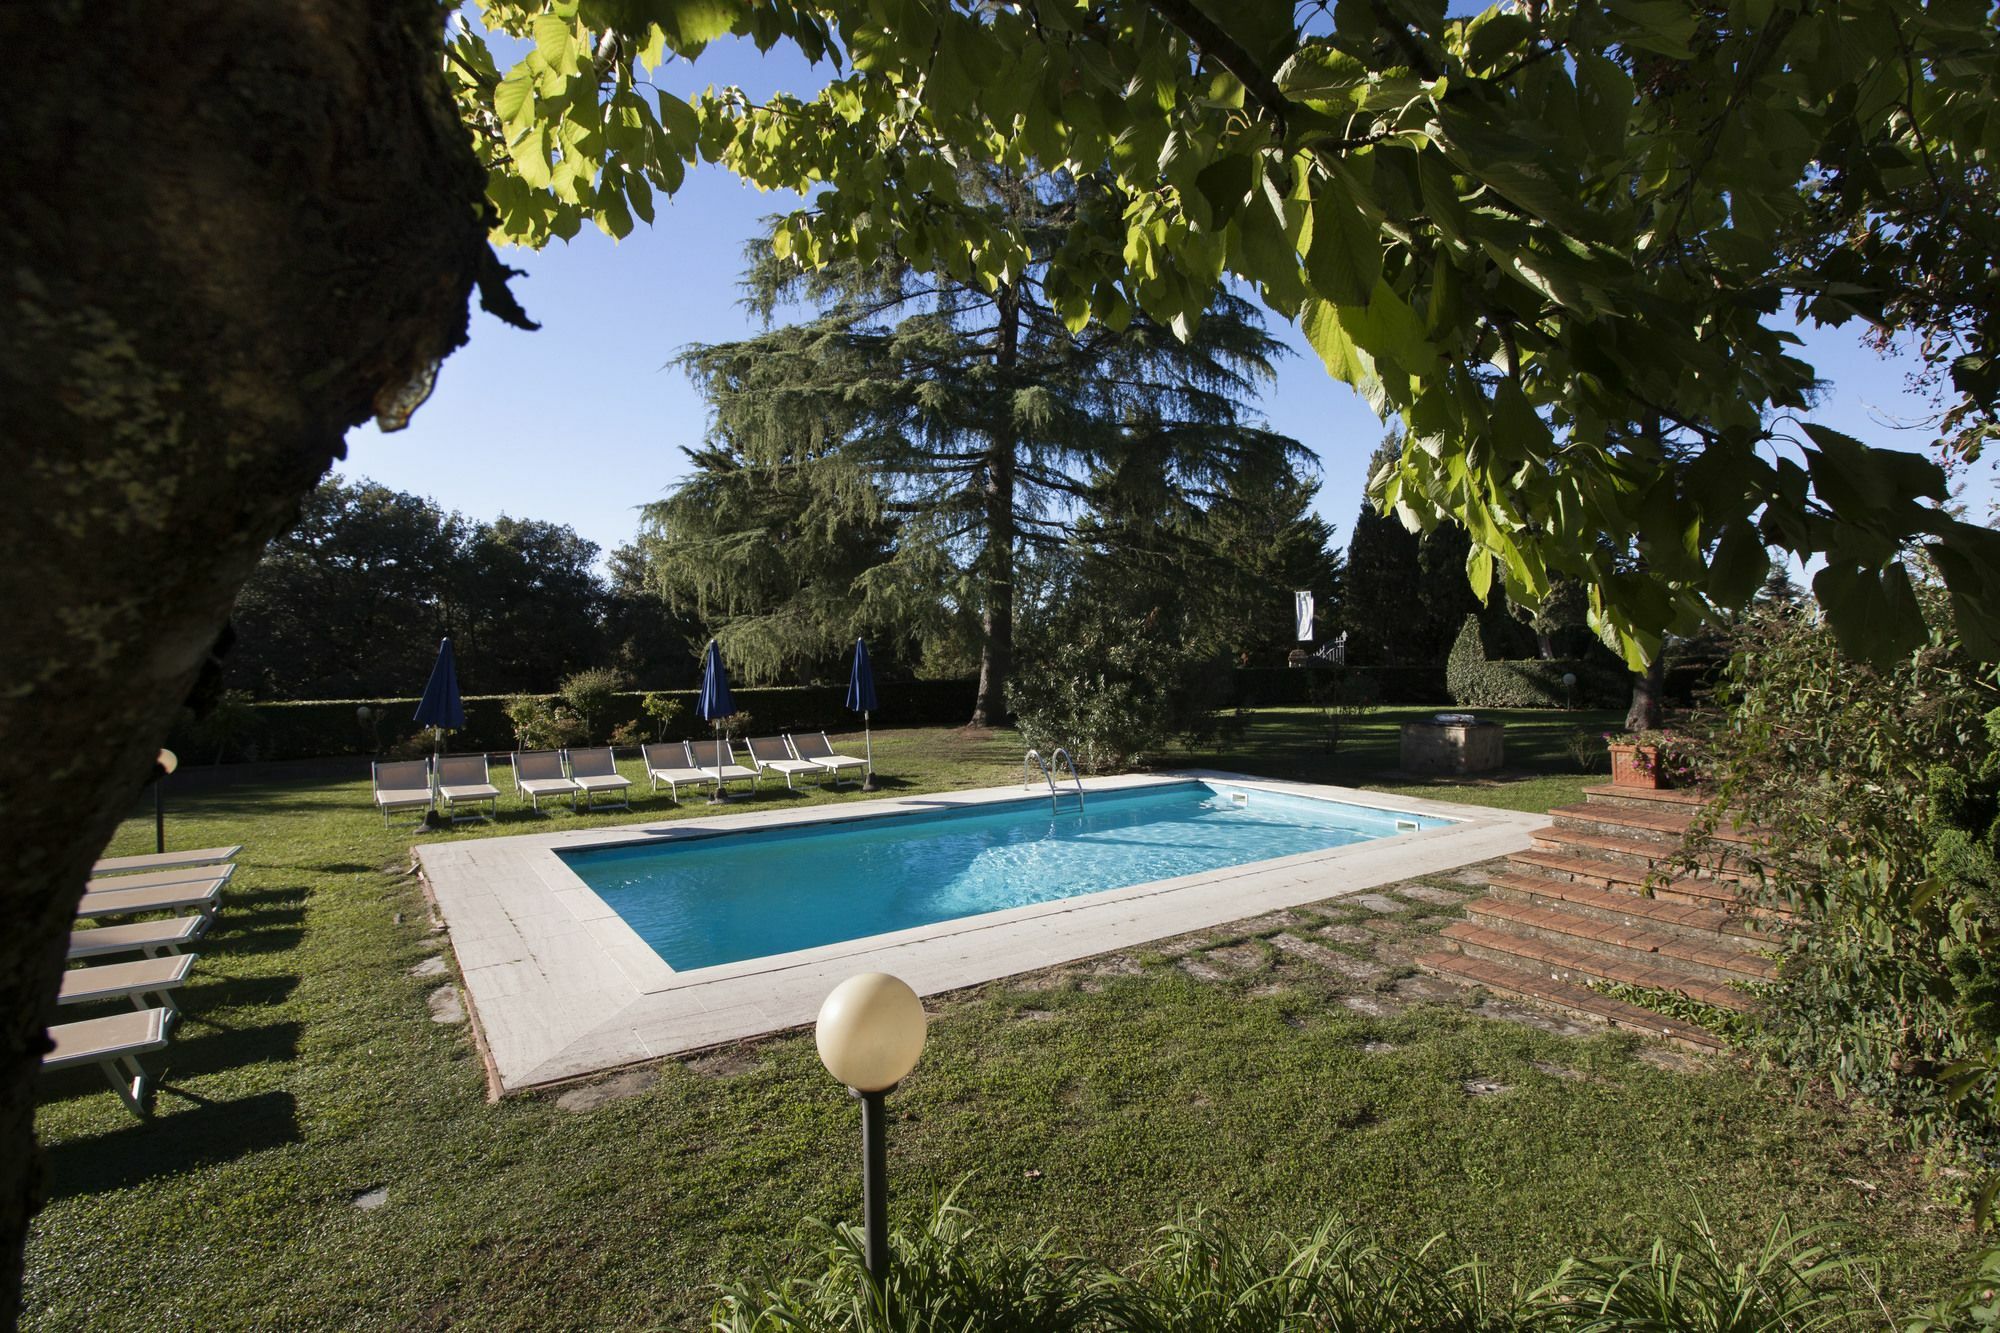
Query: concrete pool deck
560, 986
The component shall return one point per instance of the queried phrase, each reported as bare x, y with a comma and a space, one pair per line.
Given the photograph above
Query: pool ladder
1055, 764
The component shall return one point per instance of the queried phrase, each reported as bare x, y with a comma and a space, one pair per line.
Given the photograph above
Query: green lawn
1098, 1100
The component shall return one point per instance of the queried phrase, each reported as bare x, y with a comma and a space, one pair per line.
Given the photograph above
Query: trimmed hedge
1477, 681
1292, 687
319, 728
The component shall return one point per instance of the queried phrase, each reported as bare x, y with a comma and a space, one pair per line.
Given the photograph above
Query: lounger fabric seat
200, 856
817, 749
668, 764
402, 784
151, 938
148, 983
727, 771
205, 895
463, 779
539, 773
596, 771
113, 1044
771, 752
154, 879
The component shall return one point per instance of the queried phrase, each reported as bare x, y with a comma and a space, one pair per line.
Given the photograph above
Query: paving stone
628, 1083
1426, 893
1237, 957
1355, 969
1269, 990
1306, 949
1034, 1016
1201, 971
369, 1200
1344, 934
1117, 965
445, 1005
1486, 1087
1662, 1056
1563, 1072
434, 966
1428, 988
1376, 902
1378, 1047
1506, 1011
1471, 876
1375, 1006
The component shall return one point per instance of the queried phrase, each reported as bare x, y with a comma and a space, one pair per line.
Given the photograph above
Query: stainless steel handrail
1054, 765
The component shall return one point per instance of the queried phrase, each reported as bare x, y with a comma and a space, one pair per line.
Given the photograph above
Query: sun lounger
157, 879
148, 983
463, 779
402, 784
205, 894
539, 773
771, 752
200, 856
819, 750
151, 938
114, 1045
595, 771
728, 771
668, 764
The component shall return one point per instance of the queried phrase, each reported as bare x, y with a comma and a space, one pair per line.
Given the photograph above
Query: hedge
1477, 681
1280, 687
326, 727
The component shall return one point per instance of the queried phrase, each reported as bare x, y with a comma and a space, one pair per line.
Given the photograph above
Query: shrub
227, 728
1476, 681
541, 724
1880, 789
663, 711
589, 694
1107, 686
1202, 1274
629, 734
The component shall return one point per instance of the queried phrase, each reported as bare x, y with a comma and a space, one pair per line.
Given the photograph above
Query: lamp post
1569, 689
870, 1032
165, 763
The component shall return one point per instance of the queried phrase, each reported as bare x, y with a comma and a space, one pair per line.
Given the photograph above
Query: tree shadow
186, 1132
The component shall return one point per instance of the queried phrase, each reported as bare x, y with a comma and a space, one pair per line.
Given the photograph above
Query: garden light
870, 1032
163, 763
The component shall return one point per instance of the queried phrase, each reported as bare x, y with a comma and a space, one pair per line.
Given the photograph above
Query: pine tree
975, 423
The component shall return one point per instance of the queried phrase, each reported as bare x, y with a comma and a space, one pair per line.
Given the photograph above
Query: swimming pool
726, 897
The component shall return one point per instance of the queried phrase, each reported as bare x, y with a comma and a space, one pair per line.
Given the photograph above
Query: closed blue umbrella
861, 699
440, 707
715, 704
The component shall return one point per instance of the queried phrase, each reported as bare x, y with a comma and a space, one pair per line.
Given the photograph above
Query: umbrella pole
718, 797
868, 740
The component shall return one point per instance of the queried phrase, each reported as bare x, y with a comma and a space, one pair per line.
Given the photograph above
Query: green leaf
1874, 619
1479, 571
1344, 257
1344, 361
1737, 568
683, 127
556, 43
514, 98
692, 24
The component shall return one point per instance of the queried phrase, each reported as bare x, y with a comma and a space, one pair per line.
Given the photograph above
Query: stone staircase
1599, 899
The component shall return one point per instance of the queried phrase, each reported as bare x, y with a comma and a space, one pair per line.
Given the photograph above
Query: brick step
1653, 825
1646, 798
1617, 877
1712, 958
1639, 853
1567, 962
1630, 909
1571, 999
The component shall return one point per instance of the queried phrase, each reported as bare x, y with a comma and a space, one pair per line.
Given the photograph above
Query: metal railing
1050, 767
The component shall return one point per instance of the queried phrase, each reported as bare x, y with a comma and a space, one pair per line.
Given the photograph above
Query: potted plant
1644, 759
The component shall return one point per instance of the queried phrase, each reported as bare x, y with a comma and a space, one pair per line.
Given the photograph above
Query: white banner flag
1302, 606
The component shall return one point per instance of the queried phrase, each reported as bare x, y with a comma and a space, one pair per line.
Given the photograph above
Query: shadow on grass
185, 1133
242, 992
204, 1046
239, 942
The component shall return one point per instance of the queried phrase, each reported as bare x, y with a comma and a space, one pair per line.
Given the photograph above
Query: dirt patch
1034, 1016
1375, 1006
1425, 893
1563, 1072
1201, 971
1662, 1056
1486, 1087
725, 1063
1244, 957
1429, 988
1506, 1011
590, 1096
1344, 934
1377, 1047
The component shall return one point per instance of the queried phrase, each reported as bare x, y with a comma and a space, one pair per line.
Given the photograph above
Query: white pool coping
560, 986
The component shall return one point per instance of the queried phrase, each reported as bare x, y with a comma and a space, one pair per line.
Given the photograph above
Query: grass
308, 1073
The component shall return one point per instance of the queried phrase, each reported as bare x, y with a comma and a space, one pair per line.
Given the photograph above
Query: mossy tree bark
235, 230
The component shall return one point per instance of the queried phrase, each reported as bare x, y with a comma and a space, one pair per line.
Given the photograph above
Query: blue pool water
727, 897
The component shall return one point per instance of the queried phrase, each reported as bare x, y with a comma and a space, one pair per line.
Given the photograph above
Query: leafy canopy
1552, 239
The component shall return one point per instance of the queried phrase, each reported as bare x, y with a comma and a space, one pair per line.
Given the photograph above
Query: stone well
1453, 743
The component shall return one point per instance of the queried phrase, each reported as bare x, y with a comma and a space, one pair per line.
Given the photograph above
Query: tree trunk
1648, 710
237, 230
996, 652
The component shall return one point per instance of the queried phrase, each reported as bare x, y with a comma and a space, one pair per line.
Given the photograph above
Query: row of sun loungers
131, 886
451, 781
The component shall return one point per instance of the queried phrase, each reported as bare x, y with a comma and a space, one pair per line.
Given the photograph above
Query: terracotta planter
1629, 769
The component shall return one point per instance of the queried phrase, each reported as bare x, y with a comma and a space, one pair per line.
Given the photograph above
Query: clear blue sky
582, 422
